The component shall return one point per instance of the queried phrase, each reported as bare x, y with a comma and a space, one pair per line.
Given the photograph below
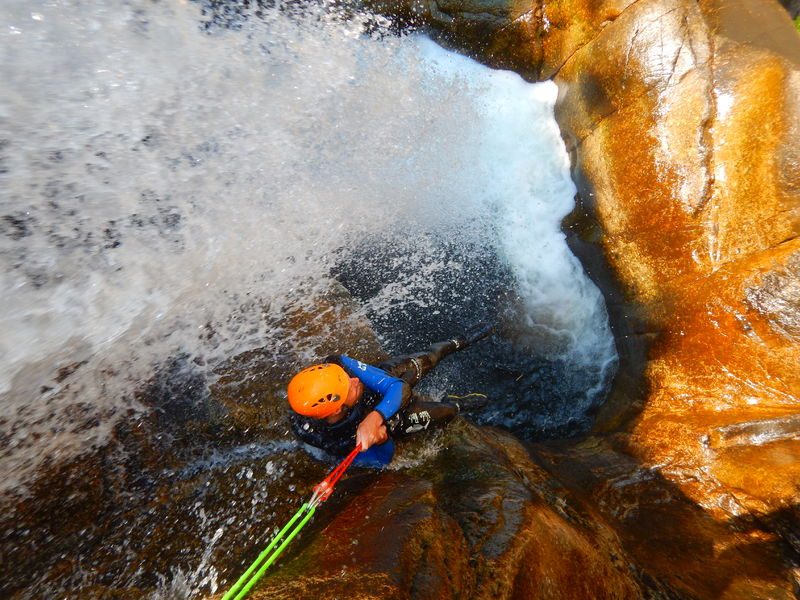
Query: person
343, 402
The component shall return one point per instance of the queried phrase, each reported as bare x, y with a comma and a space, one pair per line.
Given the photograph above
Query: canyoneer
343, 402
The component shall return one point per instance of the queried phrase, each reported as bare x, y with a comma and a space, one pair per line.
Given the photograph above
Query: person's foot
468, 403
474, 334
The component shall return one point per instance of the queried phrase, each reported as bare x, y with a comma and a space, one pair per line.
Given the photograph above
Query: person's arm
372, 430
393, 391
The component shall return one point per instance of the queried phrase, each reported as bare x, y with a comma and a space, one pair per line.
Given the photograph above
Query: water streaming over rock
171, 189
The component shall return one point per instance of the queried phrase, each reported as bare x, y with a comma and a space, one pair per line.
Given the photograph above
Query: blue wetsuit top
383, 393
378, 381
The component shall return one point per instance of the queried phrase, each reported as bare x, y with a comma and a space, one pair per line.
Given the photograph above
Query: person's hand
371, 431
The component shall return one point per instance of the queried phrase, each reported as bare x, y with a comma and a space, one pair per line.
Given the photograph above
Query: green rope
248, 579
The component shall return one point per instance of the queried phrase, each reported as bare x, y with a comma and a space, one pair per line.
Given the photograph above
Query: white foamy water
162, 189
524, 190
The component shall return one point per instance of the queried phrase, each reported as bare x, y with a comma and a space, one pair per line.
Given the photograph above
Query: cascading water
171, 190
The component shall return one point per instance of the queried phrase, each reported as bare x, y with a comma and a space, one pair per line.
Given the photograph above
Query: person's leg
413, 367
424, 414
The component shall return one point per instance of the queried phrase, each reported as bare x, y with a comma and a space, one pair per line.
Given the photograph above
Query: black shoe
474, 334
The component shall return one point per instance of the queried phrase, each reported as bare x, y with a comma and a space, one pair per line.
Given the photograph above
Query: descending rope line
270, 554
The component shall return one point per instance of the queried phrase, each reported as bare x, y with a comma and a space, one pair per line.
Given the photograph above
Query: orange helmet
319, 390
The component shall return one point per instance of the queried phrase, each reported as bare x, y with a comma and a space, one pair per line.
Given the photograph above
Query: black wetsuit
404, 411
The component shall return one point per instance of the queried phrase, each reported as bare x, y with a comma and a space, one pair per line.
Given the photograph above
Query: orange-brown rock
683, 120
480, 520
687, 148
675, 543
483, 520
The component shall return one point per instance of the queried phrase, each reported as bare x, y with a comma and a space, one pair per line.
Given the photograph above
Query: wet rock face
685, 134
686, 144
501, 33
686, 137
681, 549
182, 488
482, 519
683, 120
793, 6
682, 117
777, 297
479, 520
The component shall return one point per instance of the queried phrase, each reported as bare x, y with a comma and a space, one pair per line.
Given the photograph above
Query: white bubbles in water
522, 191
165, 189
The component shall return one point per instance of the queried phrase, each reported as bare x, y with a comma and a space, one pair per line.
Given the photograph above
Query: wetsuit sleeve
393, 391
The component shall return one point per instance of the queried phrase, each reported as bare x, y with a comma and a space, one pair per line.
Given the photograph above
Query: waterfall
172, 188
